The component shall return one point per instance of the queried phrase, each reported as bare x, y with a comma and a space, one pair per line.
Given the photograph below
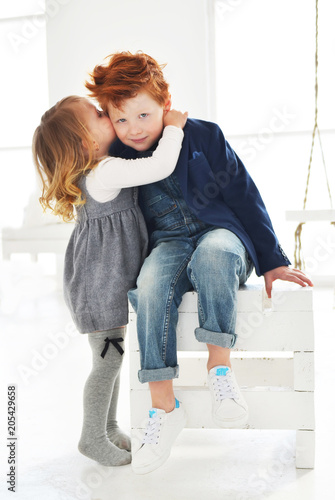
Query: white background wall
82, 34
265, 55
264, 62
48, 49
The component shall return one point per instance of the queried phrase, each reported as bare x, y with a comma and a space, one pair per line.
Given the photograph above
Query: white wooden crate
273, 361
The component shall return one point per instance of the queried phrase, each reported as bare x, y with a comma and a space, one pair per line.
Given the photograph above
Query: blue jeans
213, 262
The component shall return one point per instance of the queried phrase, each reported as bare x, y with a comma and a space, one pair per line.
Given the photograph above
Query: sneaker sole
230, 423
145, 469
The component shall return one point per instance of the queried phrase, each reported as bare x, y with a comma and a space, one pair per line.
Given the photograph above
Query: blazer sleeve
242, 196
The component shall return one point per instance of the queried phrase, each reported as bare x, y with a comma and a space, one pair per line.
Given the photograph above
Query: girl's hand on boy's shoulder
176, 118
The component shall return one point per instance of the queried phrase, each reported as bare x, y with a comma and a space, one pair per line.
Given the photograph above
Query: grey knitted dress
103, 259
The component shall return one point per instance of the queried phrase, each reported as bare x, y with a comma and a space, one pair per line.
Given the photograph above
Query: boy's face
139, 123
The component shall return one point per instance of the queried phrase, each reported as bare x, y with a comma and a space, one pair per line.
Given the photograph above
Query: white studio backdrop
24, 97
265, 67
263, 94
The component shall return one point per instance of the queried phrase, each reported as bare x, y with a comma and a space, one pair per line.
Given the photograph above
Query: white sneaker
161, 432
229, 408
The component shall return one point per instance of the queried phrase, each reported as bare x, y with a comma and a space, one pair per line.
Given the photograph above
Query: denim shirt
164, 207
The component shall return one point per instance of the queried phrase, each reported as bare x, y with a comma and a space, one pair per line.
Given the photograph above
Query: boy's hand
176, 118
285, 273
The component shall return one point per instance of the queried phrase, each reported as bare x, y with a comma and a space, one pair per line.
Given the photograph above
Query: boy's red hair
126, 75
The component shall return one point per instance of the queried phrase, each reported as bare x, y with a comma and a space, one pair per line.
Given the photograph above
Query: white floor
49, 363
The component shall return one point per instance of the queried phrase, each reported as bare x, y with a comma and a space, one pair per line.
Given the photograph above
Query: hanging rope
298, 258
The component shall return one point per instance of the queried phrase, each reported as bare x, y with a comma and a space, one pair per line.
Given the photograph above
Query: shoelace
224, 387
152, 430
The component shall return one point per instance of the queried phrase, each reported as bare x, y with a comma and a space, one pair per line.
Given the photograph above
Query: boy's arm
242, 196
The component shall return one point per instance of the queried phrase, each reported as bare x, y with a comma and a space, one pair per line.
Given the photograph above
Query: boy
208, 227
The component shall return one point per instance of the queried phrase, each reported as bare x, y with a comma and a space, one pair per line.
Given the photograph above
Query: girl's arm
112, 174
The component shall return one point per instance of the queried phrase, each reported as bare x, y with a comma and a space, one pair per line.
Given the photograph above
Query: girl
107, 246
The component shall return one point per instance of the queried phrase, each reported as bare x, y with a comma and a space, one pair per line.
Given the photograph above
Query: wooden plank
257, 331
285, 323
274, 331
304, 371
291, 298
250, 372
267, 409
310, 215
305, 449
285, 297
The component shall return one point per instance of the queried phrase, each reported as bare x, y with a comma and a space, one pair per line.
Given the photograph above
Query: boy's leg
98, 391
218, 356
160, 287
218, 267
162, 395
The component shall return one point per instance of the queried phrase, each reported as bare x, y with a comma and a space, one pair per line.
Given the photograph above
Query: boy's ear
168, 104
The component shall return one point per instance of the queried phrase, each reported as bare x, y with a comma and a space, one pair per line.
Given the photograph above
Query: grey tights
101, 439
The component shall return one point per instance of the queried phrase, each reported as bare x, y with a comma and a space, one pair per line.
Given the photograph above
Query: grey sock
114, 433
98, 391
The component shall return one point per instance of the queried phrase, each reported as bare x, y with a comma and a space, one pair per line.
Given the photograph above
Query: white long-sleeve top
106, 180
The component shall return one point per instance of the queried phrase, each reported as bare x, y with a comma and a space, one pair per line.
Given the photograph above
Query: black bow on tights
115, 343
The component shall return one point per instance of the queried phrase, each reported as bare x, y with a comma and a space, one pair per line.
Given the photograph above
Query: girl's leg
107, 360
114, 433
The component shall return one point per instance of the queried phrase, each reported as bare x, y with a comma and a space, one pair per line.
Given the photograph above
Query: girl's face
139, 123
100, 127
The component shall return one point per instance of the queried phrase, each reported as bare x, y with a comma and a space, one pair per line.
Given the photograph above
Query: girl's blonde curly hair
60, 157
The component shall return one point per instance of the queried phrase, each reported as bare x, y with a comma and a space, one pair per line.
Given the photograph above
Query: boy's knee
145, 292
215, 257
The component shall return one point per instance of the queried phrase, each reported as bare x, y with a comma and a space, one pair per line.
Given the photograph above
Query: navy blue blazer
220, 191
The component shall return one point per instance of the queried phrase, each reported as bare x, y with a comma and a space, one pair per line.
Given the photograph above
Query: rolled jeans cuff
215, 338
158, 374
